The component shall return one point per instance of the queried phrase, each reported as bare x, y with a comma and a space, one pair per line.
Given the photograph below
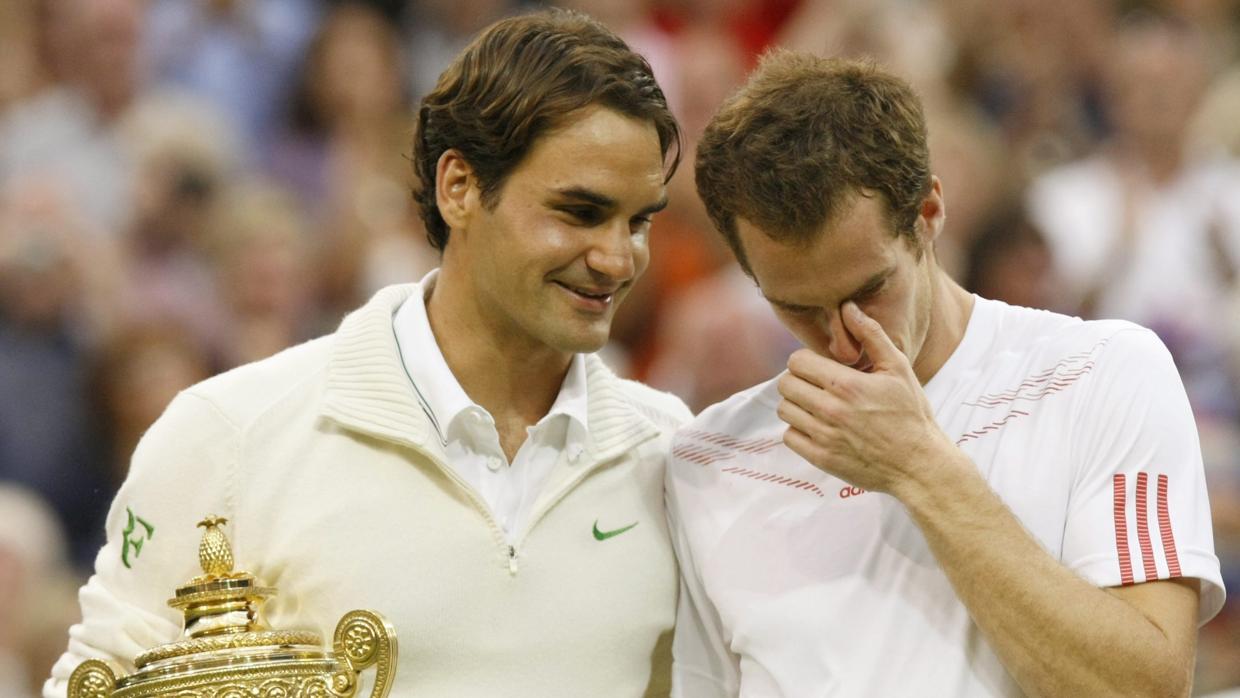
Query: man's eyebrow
872, 283
653, 208
785, 304
588, 196
606, 202
869, 285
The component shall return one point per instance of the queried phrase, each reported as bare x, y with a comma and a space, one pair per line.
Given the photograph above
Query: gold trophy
227, 651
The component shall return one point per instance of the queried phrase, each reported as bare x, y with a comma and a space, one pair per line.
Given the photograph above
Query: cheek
807, 329
641, 253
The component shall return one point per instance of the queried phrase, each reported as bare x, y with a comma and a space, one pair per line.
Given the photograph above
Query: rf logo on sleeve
133, 537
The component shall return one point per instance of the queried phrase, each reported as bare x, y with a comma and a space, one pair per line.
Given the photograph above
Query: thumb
878, 346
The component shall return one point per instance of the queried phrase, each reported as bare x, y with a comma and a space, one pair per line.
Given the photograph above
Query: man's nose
613, 253
841, 345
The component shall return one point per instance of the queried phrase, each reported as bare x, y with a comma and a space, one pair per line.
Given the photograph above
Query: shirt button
493, 463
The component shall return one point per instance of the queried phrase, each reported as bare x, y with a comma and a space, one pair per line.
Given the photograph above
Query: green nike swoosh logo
604, 535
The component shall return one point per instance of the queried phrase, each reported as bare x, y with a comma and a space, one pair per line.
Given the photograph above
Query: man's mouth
592, 295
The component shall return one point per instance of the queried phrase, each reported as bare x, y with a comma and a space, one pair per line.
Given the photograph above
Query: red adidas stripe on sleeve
1121, 530
1164, 525
1144, 540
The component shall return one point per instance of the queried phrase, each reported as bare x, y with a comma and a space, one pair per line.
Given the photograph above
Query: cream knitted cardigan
334, 484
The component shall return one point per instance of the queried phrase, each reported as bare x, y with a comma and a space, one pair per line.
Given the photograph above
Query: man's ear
932, 215
456, 189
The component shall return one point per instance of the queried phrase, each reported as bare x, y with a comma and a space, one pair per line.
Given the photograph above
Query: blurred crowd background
188, 185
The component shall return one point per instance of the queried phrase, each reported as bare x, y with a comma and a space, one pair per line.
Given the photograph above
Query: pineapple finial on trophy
214, 552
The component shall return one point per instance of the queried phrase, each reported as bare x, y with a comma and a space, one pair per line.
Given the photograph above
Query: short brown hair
519, 79
802, 137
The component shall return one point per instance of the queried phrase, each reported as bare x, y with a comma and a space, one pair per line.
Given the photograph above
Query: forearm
1054, 632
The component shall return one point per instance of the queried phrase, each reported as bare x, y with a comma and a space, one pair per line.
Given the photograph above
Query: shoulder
666, 410
1110, 343
1053, 335
747, 414
242, 394
1101, 367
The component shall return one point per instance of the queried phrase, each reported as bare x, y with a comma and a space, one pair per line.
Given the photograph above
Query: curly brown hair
520, 78
802, 137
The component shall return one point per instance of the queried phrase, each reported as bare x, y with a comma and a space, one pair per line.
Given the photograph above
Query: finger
802, 445
818, 401
802, 420
817, 369
874, 340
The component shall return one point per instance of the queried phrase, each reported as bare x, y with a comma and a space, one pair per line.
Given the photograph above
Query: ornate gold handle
364, 638
93, 678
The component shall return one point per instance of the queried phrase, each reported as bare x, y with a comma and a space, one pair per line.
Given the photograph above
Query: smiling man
943, 495
454, 457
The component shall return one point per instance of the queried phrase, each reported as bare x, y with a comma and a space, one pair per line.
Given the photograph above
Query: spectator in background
20, 72
635, 22
36, 590
262, 262
48, 441
436, 30
133, 378
184, 155
240, 55
1034, 66
969, 154
345, 152
68, 132
1009, 261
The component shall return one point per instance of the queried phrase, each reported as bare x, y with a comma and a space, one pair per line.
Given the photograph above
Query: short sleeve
1138, 510
179, 473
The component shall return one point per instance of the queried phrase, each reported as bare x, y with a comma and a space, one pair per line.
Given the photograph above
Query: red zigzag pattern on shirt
1067, 371
705, 448
774, 478
712, 447
1063, 374
993, 426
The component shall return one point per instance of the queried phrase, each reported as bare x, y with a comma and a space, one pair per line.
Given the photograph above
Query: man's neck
513, 381
951, 307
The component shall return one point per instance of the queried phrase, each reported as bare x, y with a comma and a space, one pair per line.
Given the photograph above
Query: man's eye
585, 215
869, 293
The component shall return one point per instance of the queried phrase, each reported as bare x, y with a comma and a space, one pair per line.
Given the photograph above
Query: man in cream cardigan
454, 456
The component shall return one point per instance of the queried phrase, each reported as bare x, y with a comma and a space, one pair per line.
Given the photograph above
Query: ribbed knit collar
369, 391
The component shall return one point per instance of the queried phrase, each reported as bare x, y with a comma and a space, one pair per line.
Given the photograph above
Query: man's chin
583, 340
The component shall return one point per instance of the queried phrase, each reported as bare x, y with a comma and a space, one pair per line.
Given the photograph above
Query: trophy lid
222, 607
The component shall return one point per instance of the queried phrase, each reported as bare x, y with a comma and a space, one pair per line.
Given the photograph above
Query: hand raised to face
874, 428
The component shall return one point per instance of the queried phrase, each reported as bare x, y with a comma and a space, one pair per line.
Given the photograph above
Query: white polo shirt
798, 584
468, 433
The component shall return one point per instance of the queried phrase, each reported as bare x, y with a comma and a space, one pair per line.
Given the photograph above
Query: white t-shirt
799, 585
